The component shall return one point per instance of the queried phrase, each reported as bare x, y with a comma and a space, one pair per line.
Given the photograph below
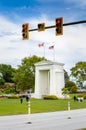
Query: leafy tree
65, 91
74, 89
2, 81
8, 89
71, 86
7, 72
25, 74
66, 76
79, 73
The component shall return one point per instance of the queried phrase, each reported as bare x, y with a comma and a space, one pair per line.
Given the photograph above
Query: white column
60, 83
37, 86
52, 81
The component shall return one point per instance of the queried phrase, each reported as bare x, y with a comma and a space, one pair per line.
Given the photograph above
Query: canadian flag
40, 45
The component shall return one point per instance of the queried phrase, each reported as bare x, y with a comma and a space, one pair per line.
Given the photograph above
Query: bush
82, 95
50, 97
13, 97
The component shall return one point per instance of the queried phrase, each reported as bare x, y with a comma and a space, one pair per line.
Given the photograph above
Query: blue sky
51, 8
69, 48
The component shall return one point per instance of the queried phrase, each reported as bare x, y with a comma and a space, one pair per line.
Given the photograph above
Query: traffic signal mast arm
65, 24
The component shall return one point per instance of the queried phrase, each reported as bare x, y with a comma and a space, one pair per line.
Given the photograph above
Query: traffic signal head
59, 26
41, 27
25, 34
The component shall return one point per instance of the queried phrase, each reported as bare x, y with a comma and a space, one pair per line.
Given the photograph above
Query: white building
49, 78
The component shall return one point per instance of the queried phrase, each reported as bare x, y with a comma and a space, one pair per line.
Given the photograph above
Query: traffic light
41, 27
25, 34
59, 26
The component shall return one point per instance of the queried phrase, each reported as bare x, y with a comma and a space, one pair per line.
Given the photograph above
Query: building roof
48, 62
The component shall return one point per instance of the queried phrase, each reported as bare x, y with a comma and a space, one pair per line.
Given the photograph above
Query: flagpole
44, 50
52, 47
54, 54
42, 45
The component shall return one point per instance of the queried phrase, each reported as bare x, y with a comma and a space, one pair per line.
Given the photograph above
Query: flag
51, 47
41, 45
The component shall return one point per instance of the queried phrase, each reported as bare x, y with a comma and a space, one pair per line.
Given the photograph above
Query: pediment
47, 62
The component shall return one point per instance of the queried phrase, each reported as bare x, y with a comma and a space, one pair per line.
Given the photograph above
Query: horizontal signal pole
72, 23
65, 24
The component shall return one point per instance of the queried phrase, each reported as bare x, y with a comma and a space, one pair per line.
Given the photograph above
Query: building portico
49, 78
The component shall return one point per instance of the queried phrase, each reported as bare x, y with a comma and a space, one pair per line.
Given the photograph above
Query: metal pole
54, 54
65, 24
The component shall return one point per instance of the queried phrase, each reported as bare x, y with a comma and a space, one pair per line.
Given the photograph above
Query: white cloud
78, 3
69, 48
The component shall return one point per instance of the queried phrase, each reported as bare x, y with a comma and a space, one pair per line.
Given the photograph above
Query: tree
71, 86
79, 73
25, 74
8, 89
1, 79
7, 72
65, 90
66, 76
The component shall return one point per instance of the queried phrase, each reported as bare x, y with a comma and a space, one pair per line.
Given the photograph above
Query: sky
69, 48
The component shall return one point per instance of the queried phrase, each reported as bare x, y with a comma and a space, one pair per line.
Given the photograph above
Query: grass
13, 106
82, 129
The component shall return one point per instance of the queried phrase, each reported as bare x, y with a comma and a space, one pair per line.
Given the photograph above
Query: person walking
21, 100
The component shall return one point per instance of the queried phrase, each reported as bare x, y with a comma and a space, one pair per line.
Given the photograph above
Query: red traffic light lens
58, 21
24, 26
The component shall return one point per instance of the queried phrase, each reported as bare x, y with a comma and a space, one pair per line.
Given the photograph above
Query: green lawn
13, 106
82, 129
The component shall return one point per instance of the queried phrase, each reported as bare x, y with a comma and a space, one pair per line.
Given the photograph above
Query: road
63, 120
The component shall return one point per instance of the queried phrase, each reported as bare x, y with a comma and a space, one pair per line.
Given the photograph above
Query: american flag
41, 45
51, 47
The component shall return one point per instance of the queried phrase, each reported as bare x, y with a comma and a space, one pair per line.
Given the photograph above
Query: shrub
13, 97
50, 97
82, 95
